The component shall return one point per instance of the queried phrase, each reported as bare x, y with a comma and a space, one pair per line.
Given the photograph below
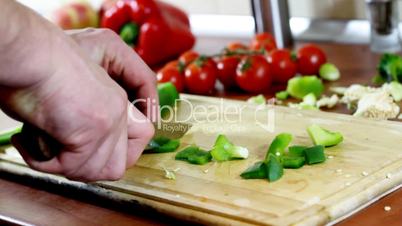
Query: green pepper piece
162, 145
324, 137
274, 168
279, 144
310, 99
315, 154
224, 150
293, 162
167, 97
329, 72
200, 158
5, 137
194, 155
259, 99
297, 150
183, 155
298, 87
129, 33
282, 95
256, 171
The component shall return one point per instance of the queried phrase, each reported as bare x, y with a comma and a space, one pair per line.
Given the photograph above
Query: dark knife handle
39, 145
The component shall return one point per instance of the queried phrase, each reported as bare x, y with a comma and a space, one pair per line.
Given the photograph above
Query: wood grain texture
311, 195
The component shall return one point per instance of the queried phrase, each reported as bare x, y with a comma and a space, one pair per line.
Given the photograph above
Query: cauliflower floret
377, 105
355, 92
328, 102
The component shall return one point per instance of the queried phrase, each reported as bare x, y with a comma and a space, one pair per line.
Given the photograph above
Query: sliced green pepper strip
224, 150
329, 72
324, 137
5, 137
297, 150
194, 155
274, 168
256, 171
162, 145
279, 145
315, 154
293, 162
129, 33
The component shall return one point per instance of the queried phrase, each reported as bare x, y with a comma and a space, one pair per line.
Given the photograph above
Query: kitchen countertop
26, 202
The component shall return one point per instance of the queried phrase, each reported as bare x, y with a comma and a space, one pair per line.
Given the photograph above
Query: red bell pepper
157, 30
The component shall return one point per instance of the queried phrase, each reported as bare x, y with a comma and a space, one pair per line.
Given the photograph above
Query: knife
43, 147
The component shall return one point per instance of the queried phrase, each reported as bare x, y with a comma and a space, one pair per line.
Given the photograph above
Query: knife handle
39, 144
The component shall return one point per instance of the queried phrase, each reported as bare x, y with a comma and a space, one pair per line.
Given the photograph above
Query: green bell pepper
162, 145
279, 145
194, 155
315, 154
292, 162
274, 168
5, 137
256, 171
324, 137
298, 87
224, 150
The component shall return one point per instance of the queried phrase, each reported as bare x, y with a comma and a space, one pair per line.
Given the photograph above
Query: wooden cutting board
365, 166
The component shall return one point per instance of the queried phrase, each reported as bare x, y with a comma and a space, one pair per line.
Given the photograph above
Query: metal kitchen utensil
384, 20
43, 147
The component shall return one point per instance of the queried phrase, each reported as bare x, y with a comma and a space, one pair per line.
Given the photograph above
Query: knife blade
43, 147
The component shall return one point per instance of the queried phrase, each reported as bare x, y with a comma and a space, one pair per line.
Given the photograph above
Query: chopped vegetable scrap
315, 154
324, 137
329, 72
282, 95
377, 105
259, 99
328, 102
162, 145
298, 87
5, 136
224, 150
194, 155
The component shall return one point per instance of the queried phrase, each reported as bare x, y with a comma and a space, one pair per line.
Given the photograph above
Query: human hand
86, 111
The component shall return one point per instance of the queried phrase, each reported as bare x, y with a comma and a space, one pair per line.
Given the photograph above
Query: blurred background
316, 20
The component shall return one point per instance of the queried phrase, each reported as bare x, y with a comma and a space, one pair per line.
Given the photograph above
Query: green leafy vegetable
390, 67
162, 145
224, 150
298, 87
5, 136
194, 155
321, 136
329, 72
315, 154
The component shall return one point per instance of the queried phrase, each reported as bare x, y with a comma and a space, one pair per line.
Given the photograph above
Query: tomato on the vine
200, 76
309, 59
282, 66
226, 66
171, 73
263, 41
233, 46
253, 74
188, 57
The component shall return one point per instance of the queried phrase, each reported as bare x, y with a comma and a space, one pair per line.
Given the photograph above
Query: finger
129, 69
51, 166
140, 131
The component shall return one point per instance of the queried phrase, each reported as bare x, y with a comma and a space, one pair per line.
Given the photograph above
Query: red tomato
187, 57
233, 46
171, 73
282, 66
200, 76
309, 59
173, 63
253, 74
263, 41
227, 70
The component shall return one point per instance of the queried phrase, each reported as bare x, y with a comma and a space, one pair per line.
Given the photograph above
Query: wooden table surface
26, 202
